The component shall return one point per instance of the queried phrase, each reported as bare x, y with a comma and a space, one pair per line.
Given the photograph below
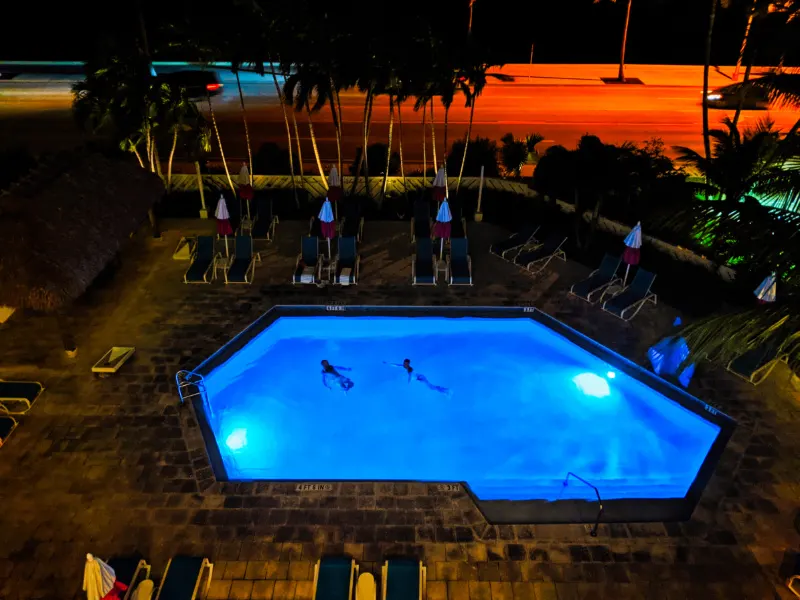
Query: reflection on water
527, 406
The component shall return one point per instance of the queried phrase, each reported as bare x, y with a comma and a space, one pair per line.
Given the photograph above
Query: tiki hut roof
62, 224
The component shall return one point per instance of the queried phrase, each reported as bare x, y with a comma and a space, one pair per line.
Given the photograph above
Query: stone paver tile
300, 570
256, 570
291, 551
434, 552
241, 590
567, 591
476, 552
304, 590
277, 570
262, 590
480, 590
354, 550
284, 590
235, 569
545, 590
437, 590
502, 590
523, 591
219, 589
447, 571
457, 590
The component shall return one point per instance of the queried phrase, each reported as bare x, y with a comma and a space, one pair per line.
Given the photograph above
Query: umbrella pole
441, 248
226, 245
625, 279
329, 248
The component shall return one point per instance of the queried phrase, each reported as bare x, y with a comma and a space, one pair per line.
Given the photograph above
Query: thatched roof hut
61, 226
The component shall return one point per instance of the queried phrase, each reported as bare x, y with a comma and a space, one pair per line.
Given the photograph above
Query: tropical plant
482, 152
513, 154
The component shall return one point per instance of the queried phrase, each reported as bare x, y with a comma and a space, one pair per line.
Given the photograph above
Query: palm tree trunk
200, 188
424, 148
706, 66
400, 141
157, 161
444, 156
389, 148
219, 142
314, 146
366, 145
297, 138
246, 128
750, 17
466, 143
339, 112
739, 107
138, 156
169, 162
357, 174
282, 100
337, 124
624, 43
433, 140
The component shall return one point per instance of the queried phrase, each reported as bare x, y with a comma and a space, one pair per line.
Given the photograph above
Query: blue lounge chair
352, 223
403, 580
243, 266
202, 261
17, 397
459, 263
423, 263
347, 262
265, 222
130, 570
521, 241
599, 280
182, 578
314, 228
334, 578
458, 226
755, 365
421, 221
7, 427
631, 298
308, 267
536, 260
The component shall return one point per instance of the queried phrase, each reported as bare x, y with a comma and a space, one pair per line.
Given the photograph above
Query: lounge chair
459, 263
421, 221
113, 360
521, 241
536, 260
599, 280
308, 267
755, 365
631, 298
130, 571
17, 397
7, 426
403, 580
352, 223
314, 228
202, 261
458, 226
243, 266
347, 262
265, 222
334, 578
423, 263
182, 578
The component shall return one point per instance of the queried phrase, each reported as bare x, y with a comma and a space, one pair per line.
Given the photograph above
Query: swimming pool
522, 400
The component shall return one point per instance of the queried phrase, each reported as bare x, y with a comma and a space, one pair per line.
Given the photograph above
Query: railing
190, 385
593, 531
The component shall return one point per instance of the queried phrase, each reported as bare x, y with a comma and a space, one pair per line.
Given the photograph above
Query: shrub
513, 154
481, 152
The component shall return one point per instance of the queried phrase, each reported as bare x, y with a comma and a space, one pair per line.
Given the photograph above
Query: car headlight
714, 96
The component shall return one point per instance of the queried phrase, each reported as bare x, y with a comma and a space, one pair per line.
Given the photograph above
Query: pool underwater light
611, 374
592, 385
237, 439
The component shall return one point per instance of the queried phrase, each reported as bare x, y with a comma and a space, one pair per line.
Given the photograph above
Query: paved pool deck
113, 466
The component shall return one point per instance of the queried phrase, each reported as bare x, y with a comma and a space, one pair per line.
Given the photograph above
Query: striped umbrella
633, 243
245, 189
328, 226
100, 581
441, 228
223, 221
440, 186
766, 292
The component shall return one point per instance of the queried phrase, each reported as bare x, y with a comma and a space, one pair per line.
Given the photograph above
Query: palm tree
305, 85
182, 117
219, 143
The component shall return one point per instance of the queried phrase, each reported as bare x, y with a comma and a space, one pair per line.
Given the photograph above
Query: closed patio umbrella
441, 228
668, 355
440, 186
245, 188
327, 224
223, 221
633, 243
767, 291
334, 189
100, 581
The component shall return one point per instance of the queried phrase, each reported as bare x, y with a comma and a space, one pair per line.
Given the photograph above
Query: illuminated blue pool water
525, 407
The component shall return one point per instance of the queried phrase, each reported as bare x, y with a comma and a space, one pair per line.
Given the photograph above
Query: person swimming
412, 376
331, 373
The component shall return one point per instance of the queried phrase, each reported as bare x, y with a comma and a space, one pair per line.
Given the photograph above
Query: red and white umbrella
100, 581
223, 221
633, 243
245, 188
327, 224
334, 187
440, 185
767, 291
441, 228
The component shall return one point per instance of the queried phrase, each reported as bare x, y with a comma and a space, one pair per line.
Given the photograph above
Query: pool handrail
593, 531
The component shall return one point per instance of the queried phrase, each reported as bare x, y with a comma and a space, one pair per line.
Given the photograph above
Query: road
562, 102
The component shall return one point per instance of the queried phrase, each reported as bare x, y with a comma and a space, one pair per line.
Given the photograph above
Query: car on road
751, 96
198, 84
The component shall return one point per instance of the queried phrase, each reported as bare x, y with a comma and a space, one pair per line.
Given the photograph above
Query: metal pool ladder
593, 531
190, 385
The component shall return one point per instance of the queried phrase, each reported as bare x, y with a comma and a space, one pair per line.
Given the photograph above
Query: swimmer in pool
331, 374
412, 376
